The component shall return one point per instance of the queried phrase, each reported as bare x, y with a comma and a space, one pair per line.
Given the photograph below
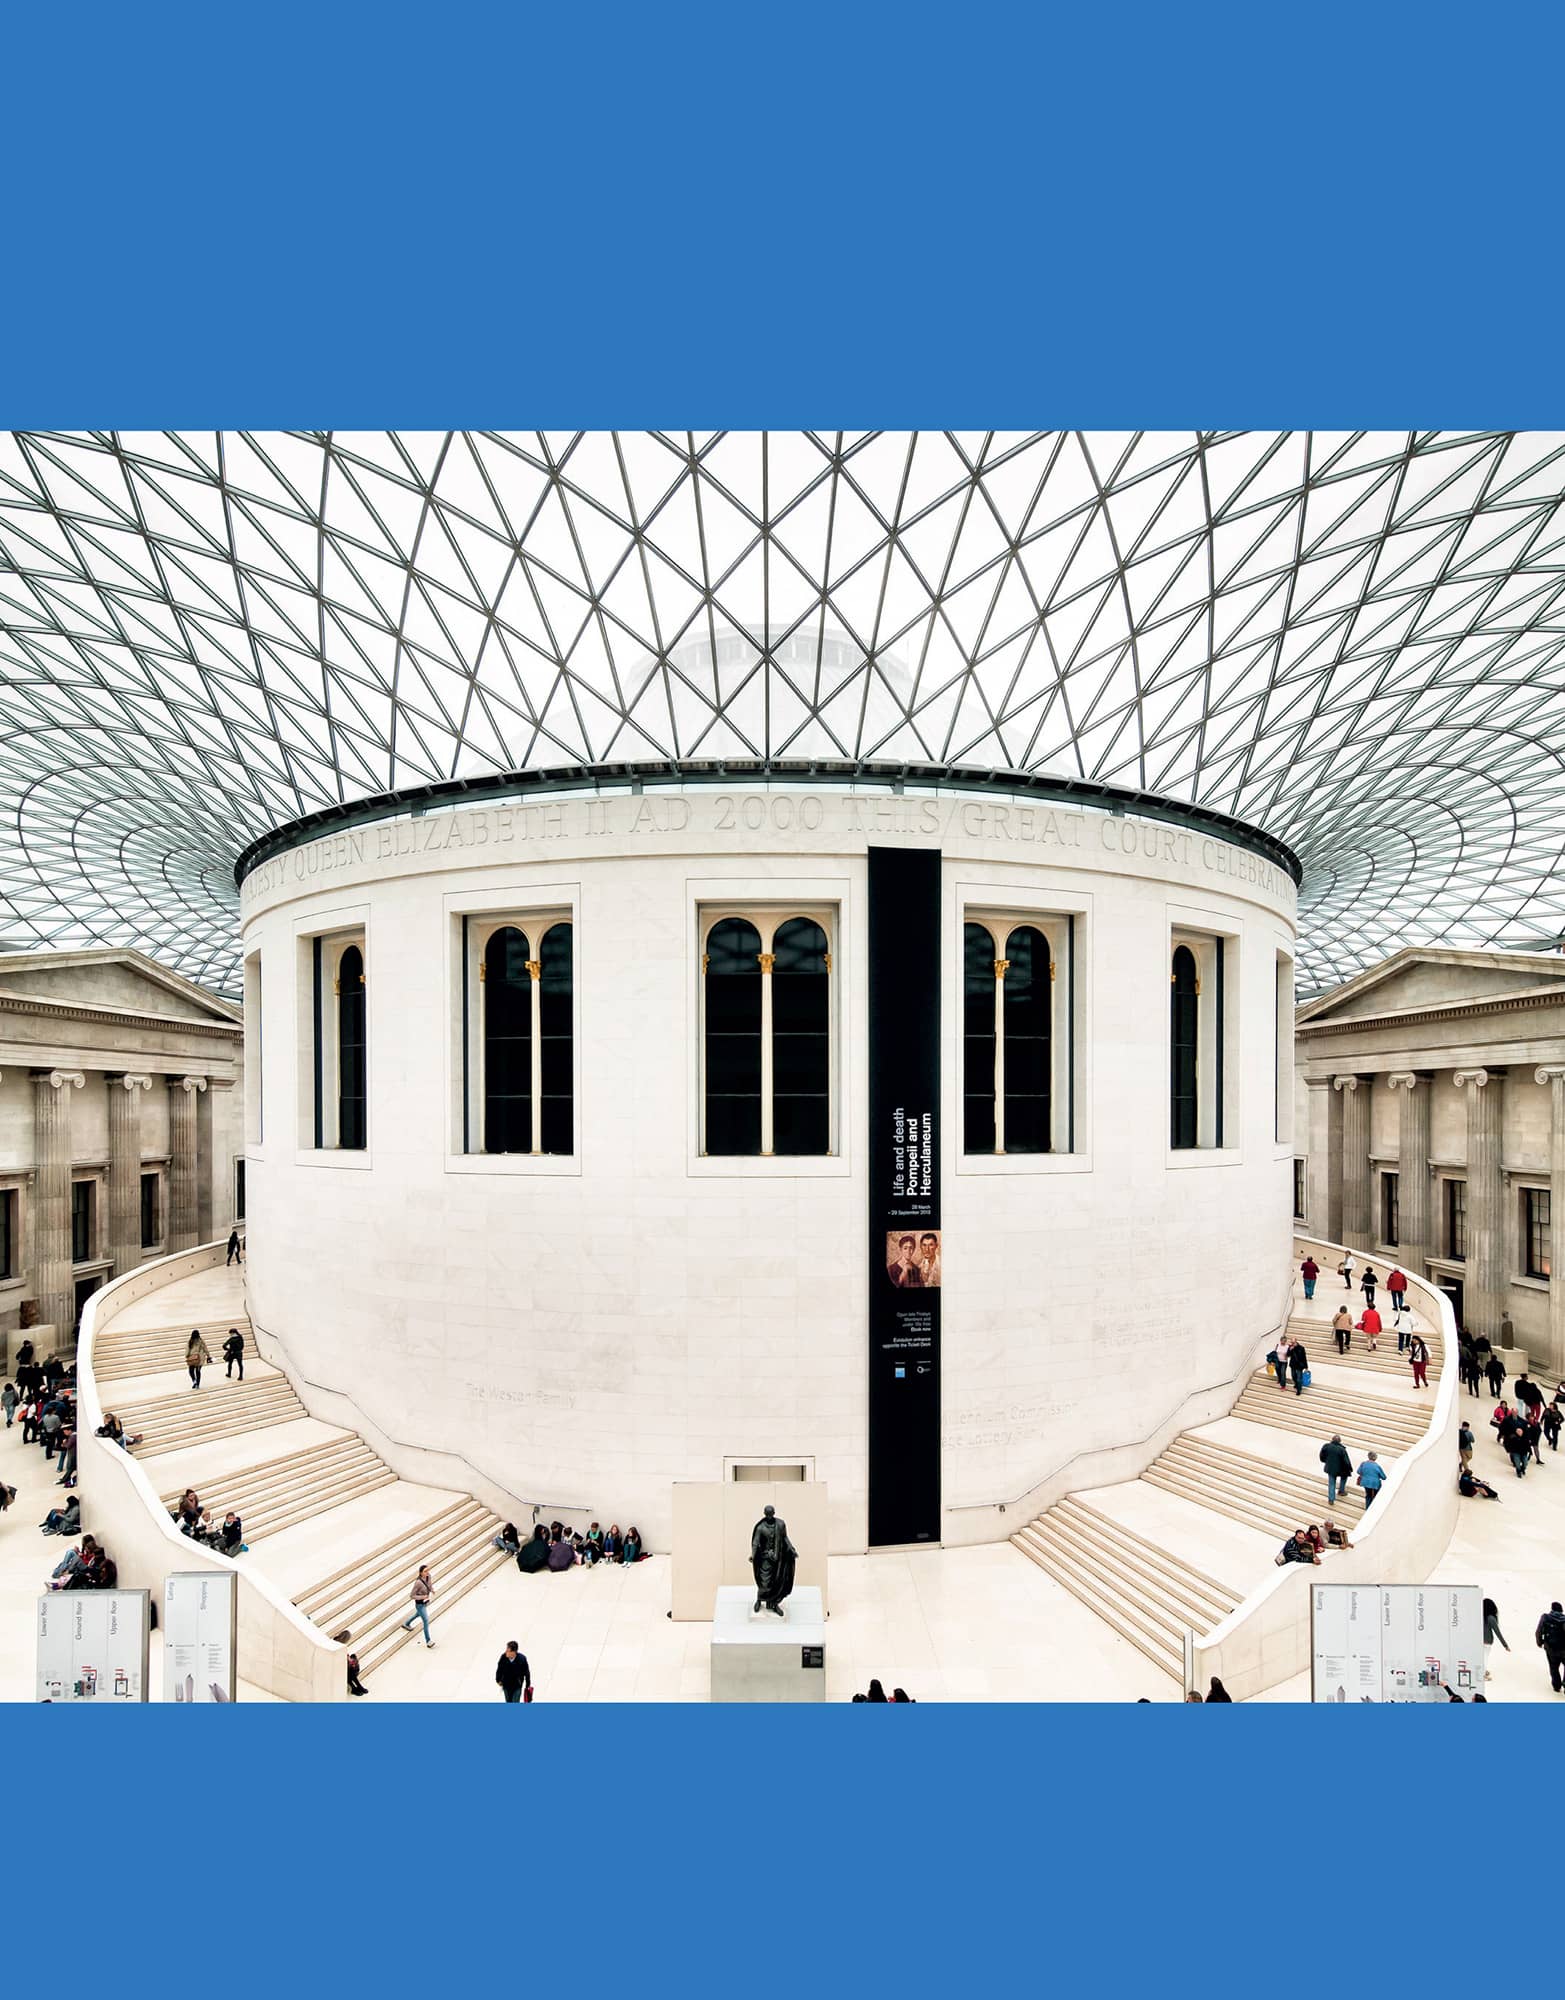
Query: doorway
1452, 1287
85, 1287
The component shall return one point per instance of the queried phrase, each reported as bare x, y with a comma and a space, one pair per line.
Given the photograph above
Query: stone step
1153, 1645
1248, 1473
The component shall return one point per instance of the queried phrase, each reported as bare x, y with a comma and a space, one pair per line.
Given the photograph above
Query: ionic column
53, 1286
1413, 1169
1554, 1076
1355, 1160
125, 1170
183, 1195
1483, 1294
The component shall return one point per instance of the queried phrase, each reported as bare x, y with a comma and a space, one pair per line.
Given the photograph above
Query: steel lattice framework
1351, 639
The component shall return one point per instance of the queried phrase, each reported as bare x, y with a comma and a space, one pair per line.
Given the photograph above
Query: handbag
1304, 1379
527, 1692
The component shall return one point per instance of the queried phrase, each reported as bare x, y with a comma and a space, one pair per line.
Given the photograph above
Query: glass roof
1352, 639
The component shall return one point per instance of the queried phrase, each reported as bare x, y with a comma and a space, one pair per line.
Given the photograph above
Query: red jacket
1371, 1322
1396, 1282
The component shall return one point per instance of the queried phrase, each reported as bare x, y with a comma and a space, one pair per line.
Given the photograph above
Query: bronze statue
772, 1557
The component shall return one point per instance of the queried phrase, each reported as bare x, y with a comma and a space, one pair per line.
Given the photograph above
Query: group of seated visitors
227, 1536
558, 1547
1308, 1545
878, 1693
86, 1568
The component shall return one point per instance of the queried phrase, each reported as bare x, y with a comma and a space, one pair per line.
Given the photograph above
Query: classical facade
1431, 1115
120, 1126
565, 1156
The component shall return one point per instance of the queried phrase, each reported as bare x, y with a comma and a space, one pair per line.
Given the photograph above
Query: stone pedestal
762, 1658
1485, 1292
53, 1285
125, 1170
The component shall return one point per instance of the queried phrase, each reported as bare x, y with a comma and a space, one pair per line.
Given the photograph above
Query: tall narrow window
239, 1190
1184, 1034
1390, 1210
351, 1122
8, 1243
1536, 1222
556, 1027
1456, 1220
508, 1043
732, 993
1025, 1042
801, 1039
980, 972
81, 1221
1298, 1190
150, 1233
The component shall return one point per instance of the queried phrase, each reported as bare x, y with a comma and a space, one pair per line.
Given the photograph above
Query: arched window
801, 1039
508, 1043
350, 1050
732, 992
556, 1027
1184, 1032
978, 1039
1026, 1011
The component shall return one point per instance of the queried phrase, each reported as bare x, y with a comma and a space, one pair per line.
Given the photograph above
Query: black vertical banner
904, 1196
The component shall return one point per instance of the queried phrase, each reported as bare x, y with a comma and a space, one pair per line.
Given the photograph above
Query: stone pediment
127, 981
1423, 980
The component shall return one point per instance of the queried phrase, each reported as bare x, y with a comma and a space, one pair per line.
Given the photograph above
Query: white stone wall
587, 1331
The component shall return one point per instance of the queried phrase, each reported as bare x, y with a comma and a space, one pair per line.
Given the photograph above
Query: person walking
1309, 1271
1298, 1366
197, 1356
8, 1404
236, 1250
355, 1685
1532, 1431
1342, 1329
423, 1591
1369, 1326
1513, 1442
1280, 1355
1396, 1285
1371, 1476
1491, 1632
1345, 1269
1551, 1425
1495, 1371
1465, 1442
234, 1353
1339, 1468
1418, 1354
1368, 1283
512, 1674
1550, 1635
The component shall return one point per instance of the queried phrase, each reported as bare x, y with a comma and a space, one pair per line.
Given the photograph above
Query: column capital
132, 1083
1348, 1083
1406, 1079
187, 1083
61, 1079
1477, 1077
1549, 1073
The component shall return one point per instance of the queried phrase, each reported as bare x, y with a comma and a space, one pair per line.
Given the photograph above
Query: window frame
159, 1207
1532, 1194
1389, 1208
1220, 959
320, 942
1453, 1203
768, 915
475, 929
1059, 931
93, 1232
1301, 1186
11, 1260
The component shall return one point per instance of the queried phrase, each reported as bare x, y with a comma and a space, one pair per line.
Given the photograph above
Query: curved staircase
252, 1448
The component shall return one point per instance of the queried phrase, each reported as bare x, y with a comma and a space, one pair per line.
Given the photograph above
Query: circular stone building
607, 1130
